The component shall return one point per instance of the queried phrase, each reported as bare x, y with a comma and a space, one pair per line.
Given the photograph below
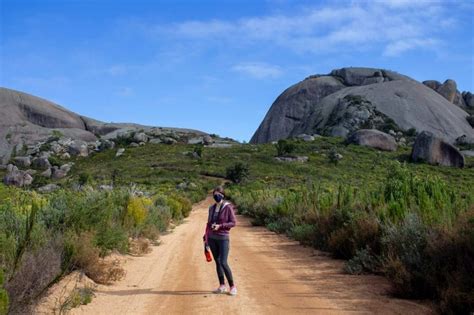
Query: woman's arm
231, 219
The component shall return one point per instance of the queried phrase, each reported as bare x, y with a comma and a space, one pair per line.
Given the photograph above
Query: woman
220, 220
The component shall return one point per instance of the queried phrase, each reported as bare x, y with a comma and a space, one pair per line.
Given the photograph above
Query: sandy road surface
273, 274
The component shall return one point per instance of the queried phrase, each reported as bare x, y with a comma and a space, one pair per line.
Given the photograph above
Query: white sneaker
233, 290
220, 289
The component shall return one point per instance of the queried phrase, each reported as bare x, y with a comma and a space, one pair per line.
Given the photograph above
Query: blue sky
217, 66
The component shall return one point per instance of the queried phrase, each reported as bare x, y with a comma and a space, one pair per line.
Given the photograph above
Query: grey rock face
292, 107
468, 99
47, 173
305, 137
140, 137
373, 138
48, 188
41, 163
300, 159
78, 148
435, 151
22, 161
340, 104
432, 84
468, 152
17, 178
169, 140
58, 173
156, 140
119, 152
207, 140
198, 140
448, 90
28, 120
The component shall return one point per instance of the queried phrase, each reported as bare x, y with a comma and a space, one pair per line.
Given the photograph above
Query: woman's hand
215, 227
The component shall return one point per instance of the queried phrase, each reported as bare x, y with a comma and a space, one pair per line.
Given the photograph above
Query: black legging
220, 251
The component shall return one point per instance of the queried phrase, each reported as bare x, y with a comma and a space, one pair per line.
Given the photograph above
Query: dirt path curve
274, 275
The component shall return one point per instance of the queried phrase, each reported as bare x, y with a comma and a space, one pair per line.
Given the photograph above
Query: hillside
27, 120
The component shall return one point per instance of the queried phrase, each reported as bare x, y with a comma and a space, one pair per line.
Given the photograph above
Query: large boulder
140, 137
448, 90
349, 99
292, 107
41, 163
78, 148
17, 178
22, 161
433, 150
373, 138
48, 188
468, 99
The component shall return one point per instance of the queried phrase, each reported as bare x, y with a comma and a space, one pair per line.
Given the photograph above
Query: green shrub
110, 238
304, 233
285, 147
54, 161
84, 178
238, 172
404, 247
3, 296
334, 156
411, 132
78, 297
362, 262
198, 150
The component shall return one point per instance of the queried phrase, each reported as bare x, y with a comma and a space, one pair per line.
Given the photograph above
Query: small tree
285, 147
238, 172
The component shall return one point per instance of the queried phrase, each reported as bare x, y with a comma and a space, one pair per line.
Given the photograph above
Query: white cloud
400, 46
258, 70
355, 26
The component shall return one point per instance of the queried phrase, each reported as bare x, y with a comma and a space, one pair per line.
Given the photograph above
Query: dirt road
273, 274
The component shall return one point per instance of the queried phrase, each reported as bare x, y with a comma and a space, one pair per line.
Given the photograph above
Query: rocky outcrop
373, 138
350, 99
17, 177
448, 90
435, 151
468, 99
27, 120
292, 107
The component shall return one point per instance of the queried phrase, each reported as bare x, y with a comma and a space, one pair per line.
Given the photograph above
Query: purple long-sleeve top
226, 219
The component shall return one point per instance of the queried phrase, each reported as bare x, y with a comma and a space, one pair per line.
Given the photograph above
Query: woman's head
218, 193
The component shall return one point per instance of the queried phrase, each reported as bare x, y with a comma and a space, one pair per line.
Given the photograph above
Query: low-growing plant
362, 262
285, 147
54, 161
237, 172
84, 178
78, 297
3, 295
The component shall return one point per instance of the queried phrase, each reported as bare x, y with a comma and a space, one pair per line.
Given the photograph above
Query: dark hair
219, 189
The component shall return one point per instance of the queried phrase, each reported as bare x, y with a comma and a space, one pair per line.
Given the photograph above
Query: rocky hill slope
349, 99
27, 120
